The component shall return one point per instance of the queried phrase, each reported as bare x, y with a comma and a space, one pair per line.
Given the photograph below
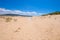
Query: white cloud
6, 11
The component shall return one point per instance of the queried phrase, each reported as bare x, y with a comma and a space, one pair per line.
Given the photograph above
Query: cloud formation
7, 11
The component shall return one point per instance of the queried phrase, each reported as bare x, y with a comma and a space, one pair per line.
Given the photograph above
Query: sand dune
30, 28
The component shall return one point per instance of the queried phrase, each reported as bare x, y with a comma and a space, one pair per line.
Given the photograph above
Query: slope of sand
30, 28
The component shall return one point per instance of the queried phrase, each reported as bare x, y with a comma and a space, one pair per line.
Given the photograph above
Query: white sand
30, 28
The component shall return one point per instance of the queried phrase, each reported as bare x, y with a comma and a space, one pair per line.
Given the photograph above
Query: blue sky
41, 6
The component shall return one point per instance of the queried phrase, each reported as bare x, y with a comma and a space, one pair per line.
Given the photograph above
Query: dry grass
8, 19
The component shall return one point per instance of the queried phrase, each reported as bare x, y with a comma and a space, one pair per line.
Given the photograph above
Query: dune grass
8, 19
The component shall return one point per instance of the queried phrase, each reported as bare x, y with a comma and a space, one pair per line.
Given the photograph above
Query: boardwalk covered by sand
30, 28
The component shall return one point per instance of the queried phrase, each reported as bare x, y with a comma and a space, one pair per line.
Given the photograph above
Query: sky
30, 6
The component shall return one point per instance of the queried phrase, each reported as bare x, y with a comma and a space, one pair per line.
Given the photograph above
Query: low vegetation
8, 19
53, 13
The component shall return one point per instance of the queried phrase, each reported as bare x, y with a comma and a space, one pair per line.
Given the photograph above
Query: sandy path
30, 28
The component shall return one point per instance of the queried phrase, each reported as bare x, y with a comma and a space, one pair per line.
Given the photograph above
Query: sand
30, 28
